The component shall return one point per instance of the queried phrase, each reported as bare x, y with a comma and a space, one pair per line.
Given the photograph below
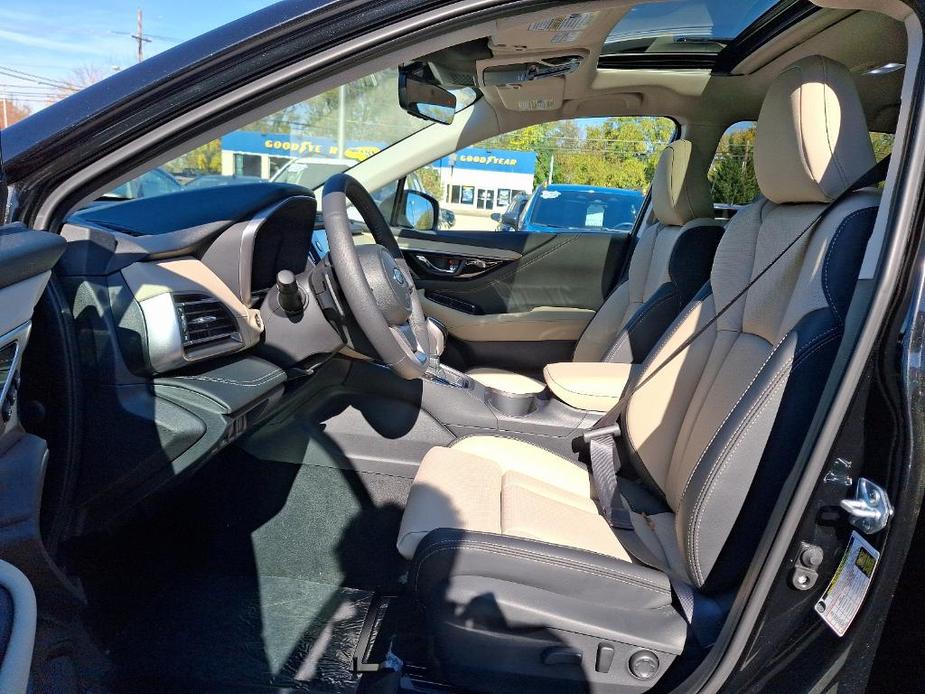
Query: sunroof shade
690, 26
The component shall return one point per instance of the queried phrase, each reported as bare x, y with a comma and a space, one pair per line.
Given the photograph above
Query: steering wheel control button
290, 296
605, 654
643, 665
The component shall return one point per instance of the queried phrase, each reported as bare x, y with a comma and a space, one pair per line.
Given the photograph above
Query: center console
466, 407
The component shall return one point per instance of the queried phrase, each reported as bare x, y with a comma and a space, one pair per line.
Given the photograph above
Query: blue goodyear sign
288, 145
503, 160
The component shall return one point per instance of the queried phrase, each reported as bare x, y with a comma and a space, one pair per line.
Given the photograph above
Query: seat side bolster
448, 552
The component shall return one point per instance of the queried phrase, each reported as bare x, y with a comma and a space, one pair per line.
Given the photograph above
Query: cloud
63, 45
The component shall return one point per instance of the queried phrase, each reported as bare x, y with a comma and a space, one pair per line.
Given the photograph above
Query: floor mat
208, 633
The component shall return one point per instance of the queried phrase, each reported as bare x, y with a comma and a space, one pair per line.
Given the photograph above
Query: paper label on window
568, 22
843, 598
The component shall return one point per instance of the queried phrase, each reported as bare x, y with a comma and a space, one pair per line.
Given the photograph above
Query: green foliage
732, 174
883, 144
617, 153
430, 180
206, 159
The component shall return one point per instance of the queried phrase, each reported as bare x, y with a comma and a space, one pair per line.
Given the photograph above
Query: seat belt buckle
591, 434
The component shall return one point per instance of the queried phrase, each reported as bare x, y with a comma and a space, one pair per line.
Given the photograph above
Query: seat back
670, 262
718, 429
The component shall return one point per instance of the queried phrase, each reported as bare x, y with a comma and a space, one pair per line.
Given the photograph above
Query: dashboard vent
204, 319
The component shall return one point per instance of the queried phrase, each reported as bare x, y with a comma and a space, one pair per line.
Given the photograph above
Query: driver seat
526, 585
670, 261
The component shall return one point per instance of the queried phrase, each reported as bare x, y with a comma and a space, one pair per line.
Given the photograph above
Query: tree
205, 159
11, 112
617, 153
430, 179
78, 78
883, 144
732, 174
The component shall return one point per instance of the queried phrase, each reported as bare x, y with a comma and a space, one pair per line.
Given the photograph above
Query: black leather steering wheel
375, 279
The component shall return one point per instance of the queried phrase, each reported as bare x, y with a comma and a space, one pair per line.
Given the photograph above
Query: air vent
203, 320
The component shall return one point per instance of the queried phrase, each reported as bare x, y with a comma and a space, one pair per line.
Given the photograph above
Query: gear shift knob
436, 336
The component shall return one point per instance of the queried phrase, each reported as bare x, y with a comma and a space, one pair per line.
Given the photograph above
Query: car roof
596, 189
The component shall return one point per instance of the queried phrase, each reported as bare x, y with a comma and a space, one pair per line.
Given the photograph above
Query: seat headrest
812, 140
680, 190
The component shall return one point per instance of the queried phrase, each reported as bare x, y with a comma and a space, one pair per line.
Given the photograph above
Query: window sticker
550, 194
845, 594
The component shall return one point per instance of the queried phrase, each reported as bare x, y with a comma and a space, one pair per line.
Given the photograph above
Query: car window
732, 171
303, 144
594, 171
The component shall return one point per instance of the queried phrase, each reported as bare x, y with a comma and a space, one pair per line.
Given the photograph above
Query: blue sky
52, 38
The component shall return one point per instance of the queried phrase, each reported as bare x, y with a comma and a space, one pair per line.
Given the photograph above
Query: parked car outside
212, 180
311, 172
559, 206
149, 184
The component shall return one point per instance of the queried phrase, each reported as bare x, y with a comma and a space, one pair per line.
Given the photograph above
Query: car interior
278, 440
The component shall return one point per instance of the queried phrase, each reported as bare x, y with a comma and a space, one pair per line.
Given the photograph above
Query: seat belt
601, 438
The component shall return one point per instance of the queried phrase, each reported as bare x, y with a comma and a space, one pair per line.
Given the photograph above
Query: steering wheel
375, 279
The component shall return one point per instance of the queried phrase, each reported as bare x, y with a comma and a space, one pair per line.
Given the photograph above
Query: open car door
26, 259
17, 629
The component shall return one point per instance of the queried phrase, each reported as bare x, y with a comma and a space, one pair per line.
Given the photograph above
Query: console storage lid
593, 386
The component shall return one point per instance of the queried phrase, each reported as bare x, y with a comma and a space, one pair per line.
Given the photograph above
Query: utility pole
140, 37
341, 121
5, 117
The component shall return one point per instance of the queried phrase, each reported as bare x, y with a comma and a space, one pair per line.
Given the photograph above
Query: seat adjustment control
605, 653
643, 665
561, 656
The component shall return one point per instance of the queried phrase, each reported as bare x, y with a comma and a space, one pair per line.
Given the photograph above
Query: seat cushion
506, 381
500, 485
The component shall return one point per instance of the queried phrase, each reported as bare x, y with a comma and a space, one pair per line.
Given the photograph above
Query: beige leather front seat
670, 262
706, 444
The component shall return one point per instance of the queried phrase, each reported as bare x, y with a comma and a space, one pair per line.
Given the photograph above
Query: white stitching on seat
828, 256
739, 436
637, 318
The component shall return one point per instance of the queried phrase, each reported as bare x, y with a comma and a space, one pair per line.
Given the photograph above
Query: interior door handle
453, 269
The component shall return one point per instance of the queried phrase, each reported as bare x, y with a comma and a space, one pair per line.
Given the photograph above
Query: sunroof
688, 26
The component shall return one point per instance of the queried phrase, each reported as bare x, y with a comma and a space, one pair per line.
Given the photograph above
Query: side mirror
496, 216
509, 220
421, 211
424, 99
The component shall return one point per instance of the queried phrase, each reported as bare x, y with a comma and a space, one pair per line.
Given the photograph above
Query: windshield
303, 144
586, 209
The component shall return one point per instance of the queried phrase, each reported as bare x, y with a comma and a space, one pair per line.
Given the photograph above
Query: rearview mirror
424, 99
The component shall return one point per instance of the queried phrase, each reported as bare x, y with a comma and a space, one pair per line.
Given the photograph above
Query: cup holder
512, 404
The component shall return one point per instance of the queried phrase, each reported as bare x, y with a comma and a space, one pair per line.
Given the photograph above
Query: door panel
17, 629
537, 289
26, 259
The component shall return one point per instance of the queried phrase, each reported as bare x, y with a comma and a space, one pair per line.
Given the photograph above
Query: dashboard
182, 341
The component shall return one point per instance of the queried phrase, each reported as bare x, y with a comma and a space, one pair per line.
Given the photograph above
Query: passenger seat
670, 262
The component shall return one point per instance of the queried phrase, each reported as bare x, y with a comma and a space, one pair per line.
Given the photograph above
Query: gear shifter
436, 337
